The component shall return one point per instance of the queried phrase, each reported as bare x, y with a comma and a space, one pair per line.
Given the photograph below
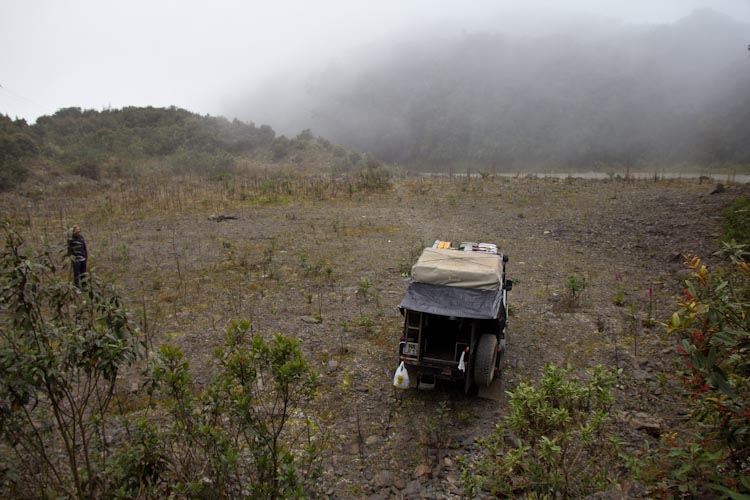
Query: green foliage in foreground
555, 441
61, 351
245, 436
61, 354
711, 455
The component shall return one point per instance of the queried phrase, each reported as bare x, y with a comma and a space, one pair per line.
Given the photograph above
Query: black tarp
452, 301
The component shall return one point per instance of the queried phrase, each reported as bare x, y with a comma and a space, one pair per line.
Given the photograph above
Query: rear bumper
447, 370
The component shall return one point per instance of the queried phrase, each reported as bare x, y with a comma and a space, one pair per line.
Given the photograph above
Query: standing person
78, 254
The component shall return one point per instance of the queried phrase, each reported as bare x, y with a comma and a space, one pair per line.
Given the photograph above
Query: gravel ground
330, 268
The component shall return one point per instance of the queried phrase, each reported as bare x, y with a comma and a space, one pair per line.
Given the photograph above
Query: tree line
125, 142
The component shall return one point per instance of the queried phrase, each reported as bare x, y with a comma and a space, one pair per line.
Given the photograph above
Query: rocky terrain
329, 266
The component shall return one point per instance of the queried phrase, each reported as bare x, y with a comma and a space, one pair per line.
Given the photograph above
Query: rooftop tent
452, 301
479, 271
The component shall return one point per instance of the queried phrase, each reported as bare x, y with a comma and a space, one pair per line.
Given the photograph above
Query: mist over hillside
584, 96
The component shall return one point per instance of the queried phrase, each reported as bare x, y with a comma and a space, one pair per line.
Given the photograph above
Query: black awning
452, 301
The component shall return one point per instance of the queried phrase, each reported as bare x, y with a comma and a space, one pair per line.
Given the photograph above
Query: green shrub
210, 164
18, 144
11, 174
280, 148
711, 454
241, 436
87, 168
575, 285
555, 441
61, 351
736, 223
373, 177
140, 464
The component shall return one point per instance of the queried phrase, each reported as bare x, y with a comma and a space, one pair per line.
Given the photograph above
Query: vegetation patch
709, 455
555, 441
736, 223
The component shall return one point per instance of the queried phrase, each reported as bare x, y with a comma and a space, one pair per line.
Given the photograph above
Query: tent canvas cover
474, 270
452, 301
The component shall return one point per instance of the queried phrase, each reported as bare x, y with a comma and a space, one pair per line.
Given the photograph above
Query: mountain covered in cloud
595, 96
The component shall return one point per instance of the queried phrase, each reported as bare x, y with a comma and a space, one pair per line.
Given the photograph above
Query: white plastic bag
461, 363
401, 377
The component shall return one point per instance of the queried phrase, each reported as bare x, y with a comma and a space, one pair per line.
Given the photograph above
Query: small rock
644, 421
413, 487
447, 462
422, 470
332, 366
456, 490
372, 440
361, 388
221, 218
383, 479
312, 320
437, 472
644, 375
399, 483
719, 189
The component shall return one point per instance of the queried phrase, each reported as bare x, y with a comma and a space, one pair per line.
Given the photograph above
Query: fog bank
591, 91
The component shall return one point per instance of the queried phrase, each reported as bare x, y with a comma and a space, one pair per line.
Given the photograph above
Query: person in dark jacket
78, 255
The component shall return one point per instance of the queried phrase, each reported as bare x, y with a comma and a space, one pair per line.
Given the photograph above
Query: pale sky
196, 54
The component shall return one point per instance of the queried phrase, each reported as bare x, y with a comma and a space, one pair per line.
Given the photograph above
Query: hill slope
138, 140
602, 95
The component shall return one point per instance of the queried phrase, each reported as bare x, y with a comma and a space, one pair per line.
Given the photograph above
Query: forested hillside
600, 95
134, 141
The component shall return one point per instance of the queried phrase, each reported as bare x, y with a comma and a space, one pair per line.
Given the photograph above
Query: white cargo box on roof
477, 270
470, 246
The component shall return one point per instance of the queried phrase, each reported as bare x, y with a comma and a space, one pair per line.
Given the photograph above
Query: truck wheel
484, 367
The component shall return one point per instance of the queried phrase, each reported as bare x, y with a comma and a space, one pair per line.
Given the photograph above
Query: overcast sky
200, 54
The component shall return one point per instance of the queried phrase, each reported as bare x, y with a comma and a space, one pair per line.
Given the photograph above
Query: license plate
411, 349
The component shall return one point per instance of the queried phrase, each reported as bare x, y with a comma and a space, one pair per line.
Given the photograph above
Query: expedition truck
455, 313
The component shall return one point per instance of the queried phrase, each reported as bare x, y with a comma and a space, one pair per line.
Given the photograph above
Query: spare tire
486, 358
